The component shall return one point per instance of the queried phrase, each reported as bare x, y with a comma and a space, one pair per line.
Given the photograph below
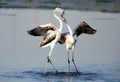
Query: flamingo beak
63, 12
62, 15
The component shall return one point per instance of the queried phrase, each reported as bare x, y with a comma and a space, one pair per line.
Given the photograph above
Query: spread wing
77, 31
42, 29
48, 38
83, 27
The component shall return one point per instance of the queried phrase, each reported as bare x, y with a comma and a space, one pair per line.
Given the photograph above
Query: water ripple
51, 76
38, 75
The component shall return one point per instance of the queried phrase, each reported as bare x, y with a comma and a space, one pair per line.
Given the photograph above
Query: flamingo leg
49, 61
68, 61
73, 60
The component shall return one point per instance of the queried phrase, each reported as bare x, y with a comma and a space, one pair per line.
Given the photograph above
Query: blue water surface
88, 74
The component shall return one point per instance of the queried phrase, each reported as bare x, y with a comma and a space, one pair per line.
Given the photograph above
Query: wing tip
30, 32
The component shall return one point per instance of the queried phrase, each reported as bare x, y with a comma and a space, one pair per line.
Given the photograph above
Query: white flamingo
51, 35
70, 38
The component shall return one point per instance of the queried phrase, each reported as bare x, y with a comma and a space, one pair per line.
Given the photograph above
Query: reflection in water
37, 75
51, 76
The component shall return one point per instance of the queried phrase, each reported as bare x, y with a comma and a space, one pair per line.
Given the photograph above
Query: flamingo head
59, 10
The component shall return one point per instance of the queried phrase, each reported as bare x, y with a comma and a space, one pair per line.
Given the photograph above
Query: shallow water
88, 74
97, 57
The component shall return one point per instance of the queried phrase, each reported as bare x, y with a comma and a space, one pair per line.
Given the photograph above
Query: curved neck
69, 28
60, 21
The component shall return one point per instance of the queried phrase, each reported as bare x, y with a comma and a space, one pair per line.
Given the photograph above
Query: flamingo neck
69, 28
60, 21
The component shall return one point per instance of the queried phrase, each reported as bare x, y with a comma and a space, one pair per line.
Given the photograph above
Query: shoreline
86, 5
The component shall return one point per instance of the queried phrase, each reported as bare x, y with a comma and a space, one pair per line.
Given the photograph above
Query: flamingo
51, 35
70, 38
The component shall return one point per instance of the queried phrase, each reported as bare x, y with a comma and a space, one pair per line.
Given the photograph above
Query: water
88, 74
97, 56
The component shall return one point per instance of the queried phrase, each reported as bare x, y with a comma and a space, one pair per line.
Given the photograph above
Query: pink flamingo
51, 35
70, 38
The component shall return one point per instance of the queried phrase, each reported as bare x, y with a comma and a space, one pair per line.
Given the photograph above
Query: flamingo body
51, 35
70, 38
